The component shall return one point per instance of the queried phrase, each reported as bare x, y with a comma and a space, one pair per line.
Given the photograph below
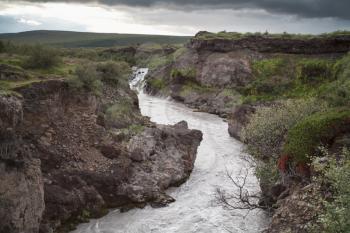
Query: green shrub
267, 173
157, 83
42, 58
314, 71
342, 67
337, 94
336, 174
272, 78
265, 132
87, 78
183, 75
268, 67
122, 115
115, 73
320, 128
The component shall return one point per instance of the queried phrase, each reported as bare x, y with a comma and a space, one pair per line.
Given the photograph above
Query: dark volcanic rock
59, 149
21, 186
266, 44
239, 119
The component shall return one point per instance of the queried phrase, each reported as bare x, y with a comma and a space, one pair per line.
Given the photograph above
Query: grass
294, 76
85, 39
193, 87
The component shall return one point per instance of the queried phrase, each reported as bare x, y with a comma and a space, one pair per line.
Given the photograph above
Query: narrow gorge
229, 132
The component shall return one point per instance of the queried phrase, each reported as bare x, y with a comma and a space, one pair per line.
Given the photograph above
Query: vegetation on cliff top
289, 138
236, 35
25, 64
318, 129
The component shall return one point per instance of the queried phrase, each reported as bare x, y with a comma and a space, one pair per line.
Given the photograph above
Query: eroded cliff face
205, 79
65, 162
270, 44
21, 193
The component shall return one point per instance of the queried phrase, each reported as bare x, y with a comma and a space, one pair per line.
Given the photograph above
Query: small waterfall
138, 77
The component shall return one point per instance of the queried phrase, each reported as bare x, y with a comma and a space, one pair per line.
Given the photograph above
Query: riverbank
73, 144
284, 100
195, 209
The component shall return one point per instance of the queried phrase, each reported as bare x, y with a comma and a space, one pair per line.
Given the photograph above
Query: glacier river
196, 209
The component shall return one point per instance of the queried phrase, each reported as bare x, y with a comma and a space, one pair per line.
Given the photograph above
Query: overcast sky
175, 17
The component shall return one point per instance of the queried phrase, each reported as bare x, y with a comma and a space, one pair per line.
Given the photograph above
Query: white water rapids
195, 209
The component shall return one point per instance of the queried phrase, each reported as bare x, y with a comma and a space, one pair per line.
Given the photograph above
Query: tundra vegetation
306, 126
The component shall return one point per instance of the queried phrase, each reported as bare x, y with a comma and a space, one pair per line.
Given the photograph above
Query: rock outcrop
239, 119
21, 192
62, 164
270, 44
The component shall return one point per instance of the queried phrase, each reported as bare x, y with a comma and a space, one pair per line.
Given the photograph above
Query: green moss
304, 138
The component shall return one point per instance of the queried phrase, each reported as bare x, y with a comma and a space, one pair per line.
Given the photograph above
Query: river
196, 209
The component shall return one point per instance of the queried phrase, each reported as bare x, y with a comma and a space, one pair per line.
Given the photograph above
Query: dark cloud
303, 8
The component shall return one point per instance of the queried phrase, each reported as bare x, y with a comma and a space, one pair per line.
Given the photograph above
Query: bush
115, 73
342, 67
267, 173
42, 58
337, 94
87, 78
336, 174
266, 130
184, 75
120, 115
318, 129
314, 71
268, 67
157, 83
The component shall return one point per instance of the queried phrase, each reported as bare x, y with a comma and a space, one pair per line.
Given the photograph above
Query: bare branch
241, 199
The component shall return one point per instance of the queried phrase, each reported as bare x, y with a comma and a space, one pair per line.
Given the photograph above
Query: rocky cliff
273, 44
62, 161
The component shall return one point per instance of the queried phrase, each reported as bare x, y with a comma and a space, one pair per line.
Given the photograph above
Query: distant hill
87, 39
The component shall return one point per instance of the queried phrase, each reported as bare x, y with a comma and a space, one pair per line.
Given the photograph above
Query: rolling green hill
86, 39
